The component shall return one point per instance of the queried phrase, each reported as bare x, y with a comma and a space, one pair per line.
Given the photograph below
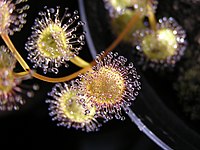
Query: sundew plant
98, 91
102, 89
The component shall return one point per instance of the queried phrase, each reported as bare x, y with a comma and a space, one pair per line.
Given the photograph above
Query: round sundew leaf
159, 45
110, 85
54, 40
72, 109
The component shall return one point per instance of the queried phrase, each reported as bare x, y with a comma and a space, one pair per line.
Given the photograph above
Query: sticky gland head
161, 48
159, 45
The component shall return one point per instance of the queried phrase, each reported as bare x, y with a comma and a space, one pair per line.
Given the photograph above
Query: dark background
32, 128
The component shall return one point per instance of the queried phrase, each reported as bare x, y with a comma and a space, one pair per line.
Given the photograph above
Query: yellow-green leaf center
52, 41
160, 45
106, 86
73, 110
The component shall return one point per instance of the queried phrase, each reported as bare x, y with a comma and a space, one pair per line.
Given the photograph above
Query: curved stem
12, 48
126, 30
20, 74
79, 62
151, 16
61, 79
76, 60
88, 65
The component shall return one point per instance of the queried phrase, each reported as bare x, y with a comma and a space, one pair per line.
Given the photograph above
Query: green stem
151, 16
79, 62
